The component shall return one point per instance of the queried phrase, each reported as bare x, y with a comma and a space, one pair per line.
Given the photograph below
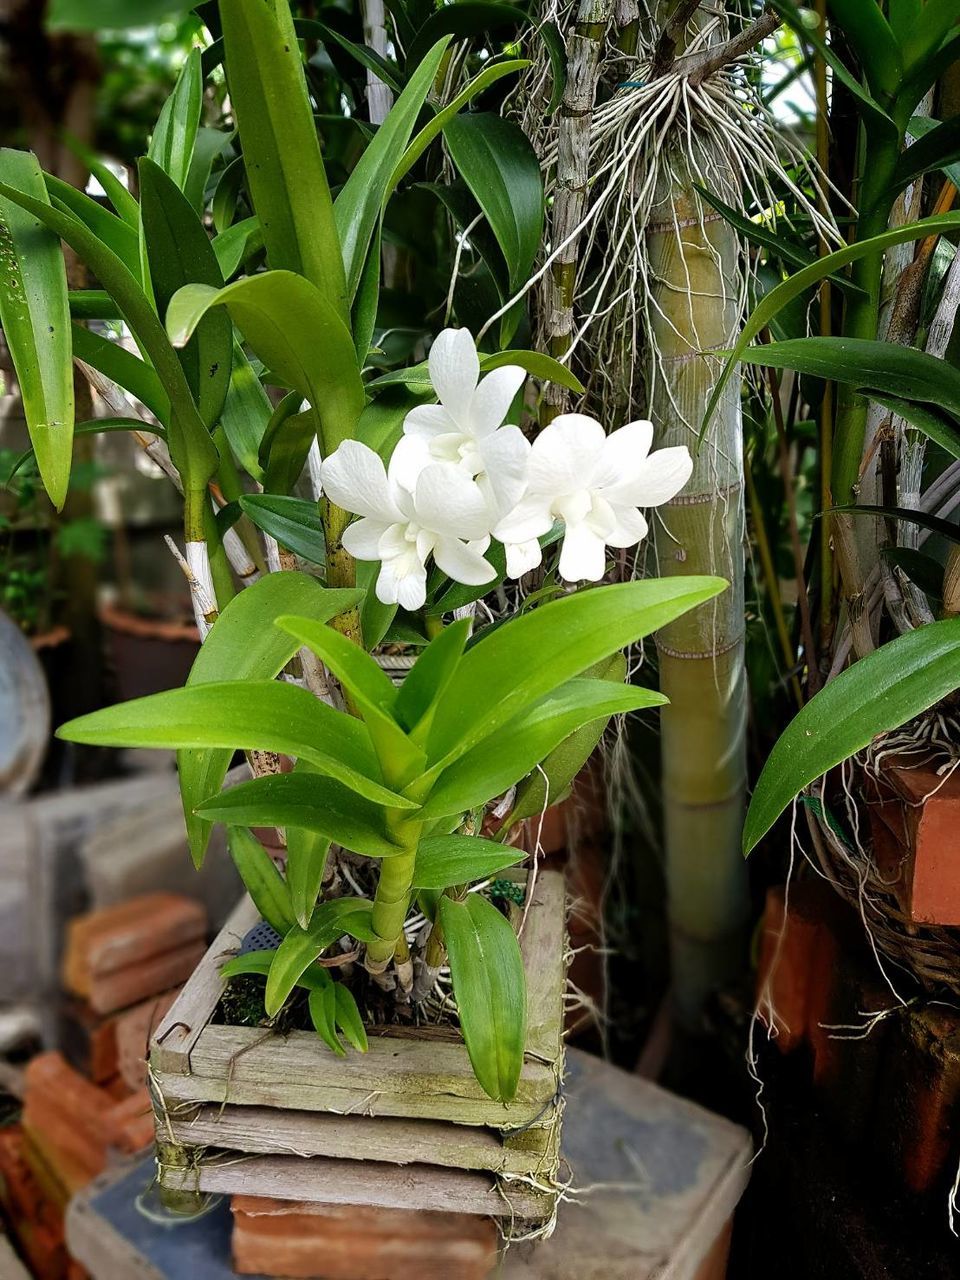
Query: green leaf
503, 758
246, 414
927, 30
305, 800
243, 644
870, 37
375, 616
489, 985
427, 680
348, 1018
888, 367
116, 234
306, 861
281, 151
247, 715
236, 243
294, 522
315, 356
301, 947
464, 19
323, 1007
286, 444
921, 569
935, 426
308, 28
171, 146
498, 164
557, 53
443, 861
943, 528
509, 670
367, 686
882, 691
124, 368
179, 253
110, 15
937, 146
543, 367
264, 883
209, 144
35, 316
362, 197
795, 285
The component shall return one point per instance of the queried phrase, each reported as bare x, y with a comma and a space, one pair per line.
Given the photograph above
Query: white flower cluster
459, 477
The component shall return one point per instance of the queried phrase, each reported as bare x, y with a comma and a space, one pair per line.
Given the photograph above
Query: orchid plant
394, 785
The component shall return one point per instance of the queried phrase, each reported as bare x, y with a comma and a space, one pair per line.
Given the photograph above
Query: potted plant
386, 788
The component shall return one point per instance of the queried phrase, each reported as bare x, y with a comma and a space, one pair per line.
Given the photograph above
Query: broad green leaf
348, 1018
369, 688
426, 682
246, 715
116, 234
288, 449
801, 280
209, 144
264, 883
362, 197
882, 691
490, 989
937, 146
315, 355
870, 37
375, 616
306, 860
887, 367
498, 164
323, 1008
191, 448
92, 304
443, 861
123, 201
301, 947
171, 146
242, 645
503, 758
35, 316
281, 151
179, 252
309, 801
543, 367
548, 783
929, 27
233, 245
110, 15
935, 426
488, 76
124, 368
308, 28
294, 522
246, 413
509, 670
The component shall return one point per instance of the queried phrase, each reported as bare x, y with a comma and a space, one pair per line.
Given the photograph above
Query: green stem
194, 508
341, 567
394, 889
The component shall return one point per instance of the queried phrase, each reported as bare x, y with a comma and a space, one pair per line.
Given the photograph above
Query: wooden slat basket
405, 1125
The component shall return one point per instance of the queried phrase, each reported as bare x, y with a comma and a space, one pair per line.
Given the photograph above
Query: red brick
106, 941
64, 1153
132, 1031
359, 1243
129, 1124
20, 1193
81, 1105
926, 833
136, 982
788, 951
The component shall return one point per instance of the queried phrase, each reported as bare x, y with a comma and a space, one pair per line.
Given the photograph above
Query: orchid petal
462, 563
354, 478
410, 455
363, 538
505, 455
450, 503
660, 478
522, 557
583, 555
623, 454
630, 528
565, 454
403, 581
427, 421
530, 518
493, 398
455, 371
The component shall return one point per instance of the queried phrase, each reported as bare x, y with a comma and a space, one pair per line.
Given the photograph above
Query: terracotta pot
147, 655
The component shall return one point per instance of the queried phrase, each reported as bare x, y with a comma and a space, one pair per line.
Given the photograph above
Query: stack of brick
350, 1242
36, 1220
886, 1069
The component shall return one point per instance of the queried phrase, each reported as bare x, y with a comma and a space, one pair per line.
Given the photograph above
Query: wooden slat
177, 1033
543, 950
270, 1131
366, 1182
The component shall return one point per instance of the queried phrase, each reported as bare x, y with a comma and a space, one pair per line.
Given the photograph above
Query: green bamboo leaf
934, 524
935, 426
281, 152
35, 316
124, 368
362, 197
264, 883
882, 691
191, 448
503, 758
294, 522
886, 367
315, 356
801, 280
301, 947
921, 569
171, 146
443, 861
323, 1009
179, 253
499, 165
310, 29
489, 985
305, 800
241, 645
348, 1018
516, 665
427, 680
245, 715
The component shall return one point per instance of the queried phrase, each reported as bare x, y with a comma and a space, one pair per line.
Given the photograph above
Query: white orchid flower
466, 426
595, 484
414, 509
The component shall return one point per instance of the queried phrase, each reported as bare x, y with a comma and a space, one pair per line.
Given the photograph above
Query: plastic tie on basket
262, 937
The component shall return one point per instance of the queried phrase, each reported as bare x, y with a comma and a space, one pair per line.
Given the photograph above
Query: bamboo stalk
584, 49
694, 258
